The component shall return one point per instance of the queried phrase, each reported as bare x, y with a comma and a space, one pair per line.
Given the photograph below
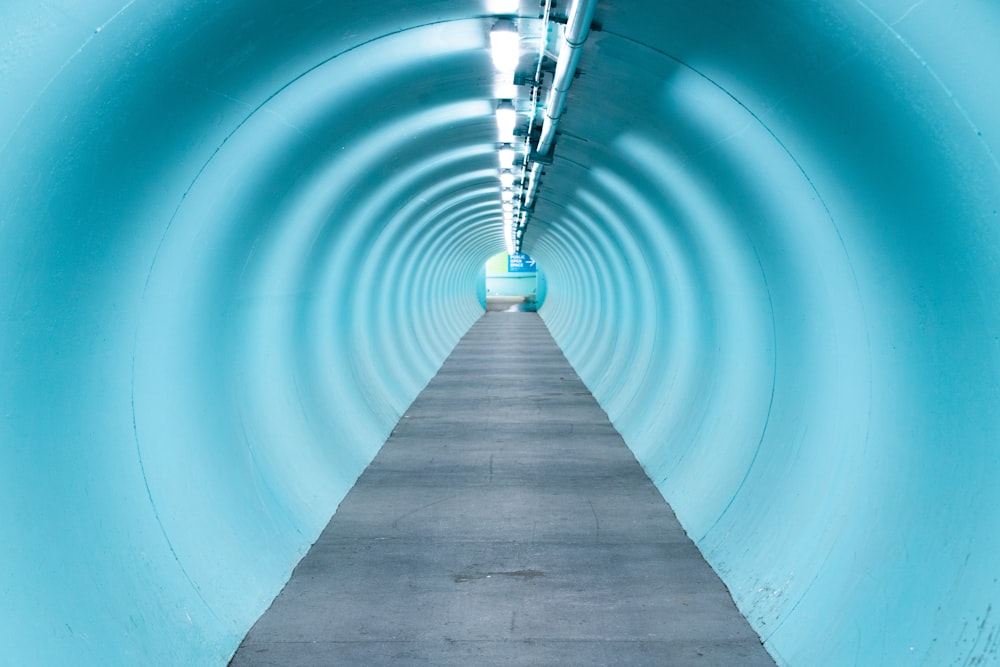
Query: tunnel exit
513, 282
238, 240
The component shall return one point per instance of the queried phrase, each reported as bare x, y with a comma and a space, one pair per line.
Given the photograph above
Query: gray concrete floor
503, 523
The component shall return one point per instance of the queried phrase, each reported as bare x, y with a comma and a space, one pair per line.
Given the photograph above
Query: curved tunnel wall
216, 306
799, 259
234, 245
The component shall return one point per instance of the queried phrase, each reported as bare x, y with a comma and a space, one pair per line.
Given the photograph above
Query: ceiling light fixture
502, 7
506, 120
506, 156
505, 45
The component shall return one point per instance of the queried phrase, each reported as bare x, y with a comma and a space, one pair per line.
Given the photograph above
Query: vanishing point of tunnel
239, 239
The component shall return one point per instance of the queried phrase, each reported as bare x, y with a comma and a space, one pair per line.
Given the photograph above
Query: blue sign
520, 263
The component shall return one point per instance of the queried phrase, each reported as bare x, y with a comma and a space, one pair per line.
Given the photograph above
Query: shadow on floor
511, 304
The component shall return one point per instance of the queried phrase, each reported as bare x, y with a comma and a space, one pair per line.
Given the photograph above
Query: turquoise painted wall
236, 241
794, 320
205, 333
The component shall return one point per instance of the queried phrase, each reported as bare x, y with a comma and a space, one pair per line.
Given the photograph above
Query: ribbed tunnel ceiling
236, 239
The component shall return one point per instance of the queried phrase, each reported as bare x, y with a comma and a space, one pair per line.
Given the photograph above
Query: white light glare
505, 45
506, 178
506, 156
508, 206
504, 87
506, 194
502, 6
506, 119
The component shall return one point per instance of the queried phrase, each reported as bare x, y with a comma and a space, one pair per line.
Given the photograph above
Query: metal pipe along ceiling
235, 243
578, 21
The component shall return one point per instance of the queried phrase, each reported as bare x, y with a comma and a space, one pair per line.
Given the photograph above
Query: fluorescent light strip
506, 120
506, 155
505, 45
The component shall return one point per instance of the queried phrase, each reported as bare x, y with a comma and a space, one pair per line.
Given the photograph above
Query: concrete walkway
503, 523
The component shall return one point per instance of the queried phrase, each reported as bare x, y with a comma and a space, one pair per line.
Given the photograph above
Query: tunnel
237, 238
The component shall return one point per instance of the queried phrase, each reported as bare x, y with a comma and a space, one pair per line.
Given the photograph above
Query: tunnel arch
235, 243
